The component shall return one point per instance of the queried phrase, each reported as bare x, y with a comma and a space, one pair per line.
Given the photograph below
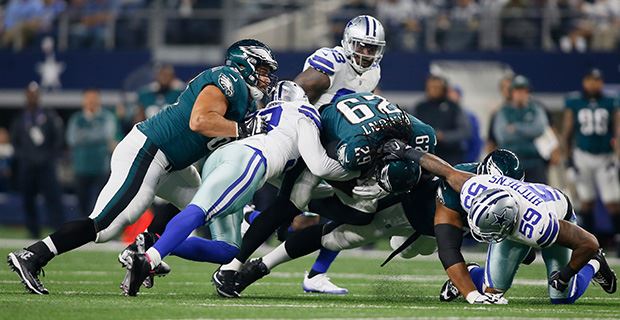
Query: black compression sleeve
282, 211
413, 154
449, 241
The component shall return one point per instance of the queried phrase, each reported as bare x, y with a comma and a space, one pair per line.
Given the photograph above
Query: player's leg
501, 265
555, 258
608, 186
136, 167
239, 174
585, 186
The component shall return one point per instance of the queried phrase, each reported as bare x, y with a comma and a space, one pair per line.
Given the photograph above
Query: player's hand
476, 297
368, 192
252, 125
556, 282
394, 149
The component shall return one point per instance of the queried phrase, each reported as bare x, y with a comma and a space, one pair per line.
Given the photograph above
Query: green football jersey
592, 121
355, 124
451, 198
169, 129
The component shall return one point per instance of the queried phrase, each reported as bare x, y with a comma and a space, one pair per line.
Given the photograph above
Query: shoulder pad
326, 60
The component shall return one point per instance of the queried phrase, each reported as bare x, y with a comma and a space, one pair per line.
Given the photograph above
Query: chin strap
256, 93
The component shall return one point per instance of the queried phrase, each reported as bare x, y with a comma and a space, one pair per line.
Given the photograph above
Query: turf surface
84, 285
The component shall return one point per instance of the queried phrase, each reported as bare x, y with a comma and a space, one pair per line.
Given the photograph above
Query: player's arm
583, 244
314, 82
314, 155
449, 235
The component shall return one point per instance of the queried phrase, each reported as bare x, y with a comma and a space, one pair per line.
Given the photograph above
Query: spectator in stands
474, 143
518, 124
460, 26
404, 22
26, 19
90, 22
36, 135
452, 127
6, 159
591, 122
504, 90
340, 18
91, 137
163, 91
521, 22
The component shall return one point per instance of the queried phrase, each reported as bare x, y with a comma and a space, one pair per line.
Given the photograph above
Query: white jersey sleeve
540, 207
342, 77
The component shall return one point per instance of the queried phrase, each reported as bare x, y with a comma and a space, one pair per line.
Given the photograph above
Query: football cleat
250, 272
139, 269
161, 270
143, 242
605, 276
449, 291
24, 263
321, 283
225, 283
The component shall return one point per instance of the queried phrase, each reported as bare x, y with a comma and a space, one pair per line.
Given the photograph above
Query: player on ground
328, 74
155, 157
232, 174
592, 121
526, 215
354, 128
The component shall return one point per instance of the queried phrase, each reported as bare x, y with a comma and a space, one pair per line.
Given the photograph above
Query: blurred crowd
412, 25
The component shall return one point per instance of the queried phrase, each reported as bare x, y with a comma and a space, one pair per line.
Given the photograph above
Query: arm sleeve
315, 156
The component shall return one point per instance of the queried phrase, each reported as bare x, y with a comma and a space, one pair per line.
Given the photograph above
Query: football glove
394, 149
251, 126
476, 297
556, 282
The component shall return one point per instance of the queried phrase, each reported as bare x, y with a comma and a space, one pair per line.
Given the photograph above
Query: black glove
251, 126
556, 282
394, 149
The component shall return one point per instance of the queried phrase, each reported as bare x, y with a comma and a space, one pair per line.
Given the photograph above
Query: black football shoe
225, 282
449, 291
251, 272
139, 269
27, 267
605, 277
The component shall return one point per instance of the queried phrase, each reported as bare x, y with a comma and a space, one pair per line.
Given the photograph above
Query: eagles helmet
246, 56
363, 42
493, 215
502, 162
398, 176
287, 90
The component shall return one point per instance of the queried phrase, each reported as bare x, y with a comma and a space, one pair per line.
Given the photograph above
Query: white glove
368, 192
476, 297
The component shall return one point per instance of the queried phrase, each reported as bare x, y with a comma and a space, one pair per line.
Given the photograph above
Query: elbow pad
449, 241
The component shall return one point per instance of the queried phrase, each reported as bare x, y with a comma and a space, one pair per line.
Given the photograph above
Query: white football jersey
294, 131
540, 207
343, 78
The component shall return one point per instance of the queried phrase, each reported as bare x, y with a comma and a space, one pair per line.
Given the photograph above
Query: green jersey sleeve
450, 197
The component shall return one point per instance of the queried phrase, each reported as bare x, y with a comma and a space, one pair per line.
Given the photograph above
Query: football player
592, 121
515, 216
328, 74
354, 128
155, 158
232, 174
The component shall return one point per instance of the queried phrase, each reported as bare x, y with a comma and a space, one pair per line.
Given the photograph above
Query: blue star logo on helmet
226, 84
500, 218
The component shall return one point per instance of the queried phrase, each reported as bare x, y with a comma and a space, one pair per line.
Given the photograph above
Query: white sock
234, 265
276, 257
595, 264
50, 245
154, 257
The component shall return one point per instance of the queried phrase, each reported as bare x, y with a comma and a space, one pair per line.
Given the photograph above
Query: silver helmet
493, 215
287, 90
363, 42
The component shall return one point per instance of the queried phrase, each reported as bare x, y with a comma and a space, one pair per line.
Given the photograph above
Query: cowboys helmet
493, 215
363, 42
287, 90
246, 56
502, 162
398, 176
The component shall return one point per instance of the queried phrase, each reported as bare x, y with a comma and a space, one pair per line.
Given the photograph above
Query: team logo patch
226, 84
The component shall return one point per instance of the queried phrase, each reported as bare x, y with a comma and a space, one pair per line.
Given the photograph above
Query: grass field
84, 285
